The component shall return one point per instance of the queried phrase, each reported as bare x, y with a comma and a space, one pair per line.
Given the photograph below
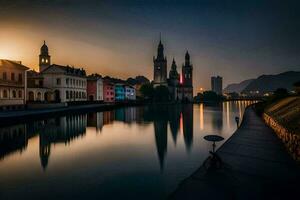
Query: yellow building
12, 84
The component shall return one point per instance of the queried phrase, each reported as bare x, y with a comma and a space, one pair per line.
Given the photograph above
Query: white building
67, 83
36, 92
130, 93
12, 84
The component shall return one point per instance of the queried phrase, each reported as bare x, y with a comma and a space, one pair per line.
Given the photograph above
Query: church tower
187, 78
187, 71
173, 74
44, 58
160, 67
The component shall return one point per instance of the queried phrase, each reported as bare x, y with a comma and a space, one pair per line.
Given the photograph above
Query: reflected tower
187, 113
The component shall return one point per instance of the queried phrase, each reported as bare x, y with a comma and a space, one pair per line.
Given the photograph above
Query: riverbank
257, 166
12, 117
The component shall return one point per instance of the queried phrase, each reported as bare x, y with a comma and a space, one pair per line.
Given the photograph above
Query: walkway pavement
257, 166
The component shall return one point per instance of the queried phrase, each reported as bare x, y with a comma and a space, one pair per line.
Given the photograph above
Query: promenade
257, 166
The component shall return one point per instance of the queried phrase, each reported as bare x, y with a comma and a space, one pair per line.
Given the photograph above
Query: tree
297, 87
147, 91
211, 96
280, 93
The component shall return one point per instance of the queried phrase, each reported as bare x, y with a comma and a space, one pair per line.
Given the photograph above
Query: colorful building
119, 92
94, 87
130, 93
108, 91
12, 84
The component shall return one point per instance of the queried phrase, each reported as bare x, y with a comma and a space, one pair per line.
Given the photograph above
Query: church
180, 85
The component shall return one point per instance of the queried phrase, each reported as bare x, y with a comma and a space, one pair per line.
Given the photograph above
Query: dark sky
234, 39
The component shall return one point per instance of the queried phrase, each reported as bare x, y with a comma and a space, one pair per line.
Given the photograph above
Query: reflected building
161, 135
187, 114
108, 117
12, 139
174, 120
159, 117
59, 130
95, 120
130, 114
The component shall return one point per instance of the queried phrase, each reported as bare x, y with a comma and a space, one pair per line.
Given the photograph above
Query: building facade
12, 84
36, 92
130, 93
160, 67
180, 86
119, 92
186, 85
216, 84
108, 91
94, 87
68, 83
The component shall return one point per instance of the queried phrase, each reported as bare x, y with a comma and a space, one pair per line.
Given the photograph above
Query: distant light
181, 81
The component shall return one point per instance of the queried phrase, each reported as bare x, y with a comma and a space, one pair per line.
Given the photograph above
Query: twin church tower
180, 86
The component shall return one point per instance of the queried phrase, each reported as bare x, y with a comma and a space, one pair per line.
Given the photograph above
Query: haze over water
135, 152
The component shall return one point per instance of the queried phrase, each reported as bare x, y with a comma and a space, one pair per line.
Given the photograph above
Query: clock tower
44, 58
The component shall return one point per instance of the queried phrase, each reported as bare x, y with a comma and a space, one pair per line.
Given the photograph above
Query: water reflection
178, 118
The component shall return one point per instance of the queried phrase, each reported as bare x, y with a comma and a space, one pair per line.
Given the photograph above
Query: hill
237, 87
269, 83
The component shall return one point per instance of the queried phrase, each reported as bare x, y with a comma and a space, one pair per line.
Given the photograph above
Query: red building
94, 88
108, 91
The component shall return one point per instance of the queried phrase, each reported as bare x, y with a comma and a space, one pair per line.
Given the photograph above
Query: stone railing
290, 140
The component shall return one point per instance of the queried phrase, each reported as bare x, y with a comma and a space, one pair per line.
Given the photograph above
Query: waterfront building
180, 86
186, 84
160, 67
119, 92
173, 81
36, 92
68, 83
12, 84
108, 91
95, 87
216, 84
130, 93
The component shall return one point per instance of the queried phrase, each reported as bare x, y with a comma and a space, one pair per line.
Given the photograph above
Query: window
67, 94
79, 95
76, 95
58, 81
4, 93
43, 60
12, 76
67, 81
71, 94
14, 94
20, 79
20, 93
46, 60
4, 76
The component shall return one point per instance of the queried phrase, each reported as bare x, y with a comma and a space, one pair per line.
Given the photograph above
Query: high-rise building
44, 57
160, 67
216, 84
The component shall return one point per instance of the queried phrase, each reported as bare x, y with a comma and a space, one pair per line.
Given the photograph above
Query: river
134, 152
